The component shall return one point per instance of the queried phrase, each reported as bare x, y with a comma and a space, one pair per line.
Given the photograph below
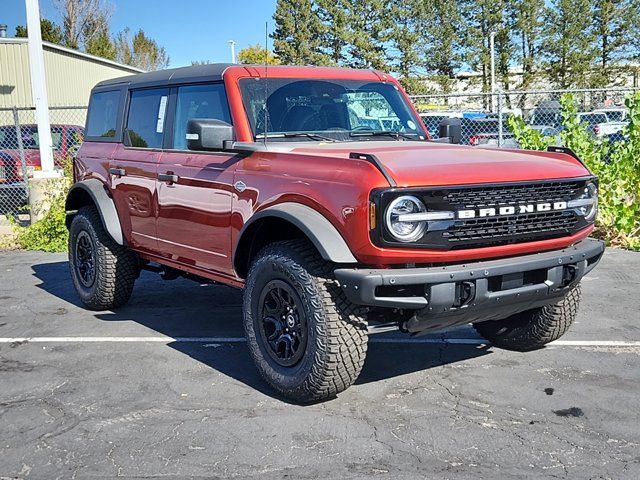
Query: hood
433, 164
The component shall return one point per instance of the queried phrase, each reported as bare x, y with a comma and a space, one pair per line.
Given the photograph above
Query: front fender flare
95, 190
314, 225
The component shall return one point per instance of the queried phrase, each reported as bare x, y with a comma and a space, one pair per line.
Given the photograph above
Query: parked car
66, 141
333, 229
485, 131
432, 120
599, 125
614, 114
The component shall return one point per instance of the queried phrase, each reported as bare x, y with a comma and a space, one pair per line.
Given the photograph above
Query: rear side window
198, 101
103, 114
145, 122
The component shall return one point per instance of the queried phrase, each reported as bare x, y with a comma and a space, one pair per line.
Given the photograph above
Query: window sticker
162, 110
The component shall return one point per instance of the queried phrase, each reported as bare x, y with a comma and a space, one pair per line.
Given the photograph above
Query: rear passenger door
194, 205
133, 169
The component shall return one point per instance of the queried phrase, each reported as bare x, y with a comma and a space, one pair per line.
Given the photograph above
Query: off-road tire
535, 328
337, 330
116, 267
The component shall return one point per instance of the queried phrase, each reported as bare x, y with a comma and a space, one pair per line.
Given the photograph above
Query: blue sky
187, 29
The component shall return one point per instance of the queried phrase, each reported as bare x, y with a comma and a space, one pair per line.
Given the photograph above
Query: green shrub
49, 233
617, 167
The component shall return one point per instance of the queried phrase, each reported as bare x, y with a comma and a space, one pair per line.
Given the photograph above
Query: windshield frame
396, 104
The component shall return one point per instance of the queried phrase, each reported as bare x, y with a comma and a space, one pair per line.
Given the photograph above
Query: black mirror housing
451, 128
208, 134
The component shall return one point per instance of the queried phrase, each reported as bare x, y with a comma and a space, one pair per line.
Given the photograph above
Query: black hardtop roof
197, 73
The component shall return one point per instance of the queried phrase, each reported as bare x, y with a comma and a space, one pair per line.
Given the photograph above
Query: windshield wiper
312, 136
379, 133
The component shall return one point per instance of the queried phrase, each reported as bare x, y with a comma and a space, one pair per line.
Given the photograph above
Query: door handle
168, 177
118, 172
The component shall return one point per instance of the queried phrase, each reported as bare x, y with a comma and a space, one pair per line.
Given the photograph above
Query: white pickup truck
599, 124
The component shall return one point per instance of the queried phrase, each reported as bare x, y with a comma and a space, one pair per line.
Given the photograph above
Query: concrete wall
70, 74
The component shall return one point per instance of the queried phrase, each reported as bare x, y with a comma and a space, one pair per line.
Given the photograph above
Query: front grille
500, 195
480, 232
509, 229
494, 230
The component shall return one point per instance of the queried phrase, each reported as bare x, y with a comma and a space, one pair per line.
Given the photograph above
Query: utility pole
39, 88
492, 37
232, 44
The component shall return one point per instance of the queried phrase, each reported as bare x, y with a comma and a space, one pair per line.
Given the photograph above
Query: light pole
39, 88
232, 44
492, 37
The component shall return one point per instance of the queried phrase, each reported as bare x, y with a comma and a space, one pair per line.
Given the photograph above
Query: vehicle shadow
183, 309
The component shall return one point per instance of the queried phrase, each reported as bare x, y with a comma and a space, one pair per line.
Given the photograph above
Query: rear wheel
306, 339
103, 272
535, 328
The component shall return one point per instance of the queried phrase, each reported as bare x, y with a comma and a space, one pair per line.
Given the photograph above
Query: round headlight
591, 193
405, 231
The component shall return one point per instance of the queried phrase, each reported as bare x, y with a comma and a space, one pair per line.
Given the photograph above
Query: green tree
49, 30
98, 41
405, 35
481, 18
615, 24
335, 35
528, 27
297, 38
569, 43
140, 51
257, 55
369, 33
442, 41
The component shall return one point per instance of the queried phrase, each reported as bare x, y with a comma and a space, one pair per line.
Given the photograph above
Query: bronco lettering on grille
512, 210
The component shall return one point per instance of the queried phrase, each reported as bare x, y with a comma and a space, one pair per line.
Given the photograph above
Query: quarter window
103, 114
145, 122
198, 101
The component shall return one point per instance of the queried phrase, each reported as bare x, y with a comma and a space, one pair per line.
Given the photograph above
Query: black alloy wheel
282, 323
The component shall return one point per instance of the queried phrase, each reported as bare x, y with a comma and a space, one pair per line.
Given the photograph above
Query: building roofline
77, 53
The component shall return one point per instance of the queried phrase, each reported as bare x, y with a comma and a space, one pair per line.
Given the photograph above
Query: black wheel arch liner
320, 231
96, 190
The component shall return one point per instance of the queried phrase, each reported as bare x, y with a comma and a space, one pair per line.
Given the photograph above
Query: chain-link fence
484, 116
20, 154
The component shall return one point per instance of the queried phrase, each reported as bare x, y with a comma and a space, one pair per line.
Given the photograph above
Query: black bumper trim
439, 282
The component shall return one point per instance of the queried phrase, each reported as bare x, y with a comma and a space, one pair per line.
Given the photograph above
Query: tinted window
145, 123
198, 101
103, 114
593, 118
615, 115
30, 138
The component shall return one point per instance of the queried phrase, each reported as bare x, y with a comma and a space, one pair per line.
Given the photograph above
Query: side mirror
208, 134
451, 128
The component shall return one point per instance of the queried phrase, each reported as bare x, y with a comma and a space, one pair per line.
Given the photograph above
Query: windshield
593, 118
334, 109
9, 141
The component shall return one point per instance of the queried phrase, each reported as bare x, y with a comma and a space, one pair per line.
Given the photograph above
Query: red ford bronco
319, 192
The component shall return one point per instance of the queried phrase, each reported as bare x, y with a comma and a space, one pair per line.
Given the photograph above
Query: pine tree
49, 30
569, 43
297, 38
369, 33
528, 27
615, 24
335, 19
442, 41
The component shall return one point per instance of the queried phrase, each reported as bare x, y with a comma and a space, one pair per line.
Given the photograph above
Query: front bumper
466, 293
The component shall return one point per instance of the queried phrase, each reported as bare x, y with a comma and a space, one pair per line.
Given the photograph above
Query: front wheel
306, 339
535, 328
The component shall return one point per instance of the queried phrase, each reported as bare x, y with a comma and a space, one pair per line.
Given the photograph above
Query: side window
198, 101
145, 122
103, 114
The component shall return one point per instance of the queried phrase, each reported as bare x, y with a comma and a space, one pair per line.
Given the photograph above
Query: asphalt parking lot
108, 394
